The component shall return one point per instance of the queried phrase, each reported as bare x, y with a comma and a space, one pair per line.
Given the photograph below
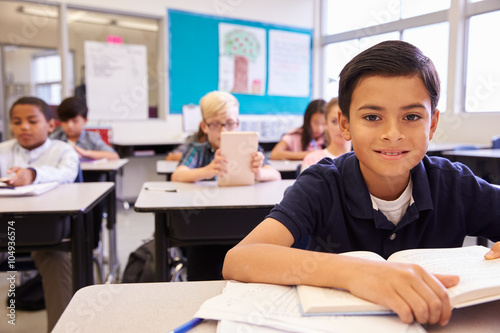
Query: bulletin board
199, 63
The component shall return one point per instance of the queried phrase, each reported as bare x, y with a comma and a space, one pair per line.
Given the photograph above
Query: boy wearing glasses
203, 161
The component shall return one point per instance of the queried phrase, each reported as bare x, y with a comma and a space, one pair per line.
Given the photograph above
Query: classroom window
47, 78
433, 48
337, 55
412, 8
482, 92
367, 14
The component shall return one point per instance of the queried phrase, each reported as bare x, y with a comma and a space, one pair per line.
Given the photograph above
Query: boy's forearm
286, 154
98, 154
266, 263
188, 175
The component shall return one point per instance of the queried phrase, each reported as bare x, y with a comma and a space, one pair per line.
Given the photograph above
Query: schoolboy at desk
387, 96
33, 158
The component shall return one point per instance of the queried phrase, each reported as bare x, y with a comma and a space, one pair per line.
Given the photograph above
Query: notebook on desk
32, 189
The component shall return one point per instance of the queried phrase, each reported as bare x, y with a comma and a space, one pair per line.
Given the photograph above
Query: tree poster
242, 59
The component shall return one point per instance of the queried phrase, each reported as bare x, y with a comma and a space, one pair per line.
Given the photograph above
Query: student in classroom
385, 196
336, 144
33, 158
203, 161
72, 112
177, 152
296, 144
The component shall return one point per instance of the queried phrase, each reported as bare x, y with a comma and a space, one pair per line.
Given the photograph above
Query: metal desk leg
161, 245
114, 264
78, 252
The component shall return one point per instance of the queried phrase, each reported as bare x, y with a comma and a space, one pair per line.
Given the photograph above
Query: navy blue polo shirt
331, 204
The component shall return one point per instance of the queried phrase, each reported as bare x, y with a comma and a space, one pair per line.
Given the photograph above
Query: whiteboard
116, 81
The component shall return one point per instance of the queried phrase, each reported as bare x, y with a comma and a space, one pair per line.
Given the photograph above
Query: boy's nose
392, 132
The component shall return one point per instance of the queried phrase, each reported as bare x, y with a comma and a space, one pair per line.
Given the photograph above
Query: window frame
457, 16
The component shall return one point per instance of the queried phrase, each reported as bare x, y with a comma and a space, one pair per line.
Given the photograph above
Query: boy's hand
494, 253
409, 290
82, 152
21, 176
217, 167
257, 161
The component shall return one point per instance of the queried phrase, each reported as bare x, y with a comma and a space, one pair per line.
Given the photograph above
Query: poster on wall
116, 81
289, 63
242, 59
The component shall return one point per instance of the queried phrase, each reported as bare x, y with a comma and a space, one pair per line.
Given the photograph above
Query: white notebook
33, 189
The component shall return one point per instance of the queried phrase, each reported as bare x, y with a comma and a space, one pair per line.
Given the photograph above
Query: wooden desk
166, 168
202, 213
74, 200
287, 168
161, 307
109, 171
485, 163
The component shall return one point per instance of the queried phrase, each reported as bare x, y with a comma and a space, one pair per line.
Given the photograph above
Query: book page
478, 277
275, 306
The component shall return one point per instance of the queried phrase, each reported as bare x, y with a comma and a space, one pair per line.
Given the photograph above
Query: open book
479, 280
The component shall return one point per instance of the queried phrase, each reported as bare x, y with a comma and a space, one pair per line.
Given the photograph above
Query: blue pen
187, 326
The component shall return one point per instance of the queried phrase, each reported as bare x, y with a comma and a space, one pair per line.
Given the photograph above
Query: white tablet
238, 147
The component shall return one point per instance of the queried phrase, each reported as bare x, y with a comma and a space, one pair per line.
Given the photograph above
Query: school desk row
161, 307
69, 206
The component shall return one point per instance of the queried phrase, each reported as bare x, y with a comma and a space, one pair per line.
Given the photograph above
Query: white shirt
396, 209
53, 161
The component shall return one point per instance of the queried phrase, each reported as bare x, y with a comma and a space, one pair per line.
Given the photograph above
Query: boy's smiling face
390, 127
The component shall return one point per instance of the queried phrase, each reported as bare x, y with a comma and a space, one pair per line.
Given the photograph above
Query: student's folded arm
280, 152
265, 256
184, 174
98, 154
65, 171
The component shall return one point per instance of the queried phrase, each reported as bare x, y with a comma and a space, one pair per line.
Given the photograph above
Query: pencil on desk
161, 189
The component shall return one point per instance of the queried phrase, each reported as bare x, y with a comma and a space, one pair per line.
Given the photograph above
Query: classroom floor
132, 229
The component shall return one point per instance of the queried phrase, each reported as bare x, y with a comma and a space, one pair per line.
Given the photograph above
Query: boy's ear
344, 126
203, 127
52, 125
434, 123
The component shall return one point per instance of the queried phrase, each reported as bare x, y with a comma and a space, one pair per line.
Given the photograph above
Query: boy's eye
412, 117
372, 117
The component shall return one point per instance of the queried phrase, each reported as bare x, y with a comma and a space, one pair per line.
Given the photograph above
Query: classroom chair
495, 142
465, 147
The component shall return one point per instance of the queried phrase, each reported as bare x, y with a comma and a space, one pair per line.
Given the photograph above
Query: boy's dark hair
316, 106
44, 107
389, 58
72, 107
